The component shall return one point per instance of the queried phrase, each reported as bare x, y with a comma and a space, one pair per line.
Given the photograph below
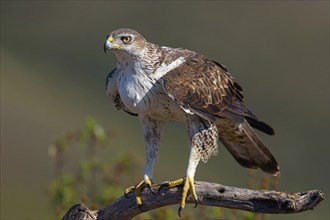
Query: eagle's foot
188, 185
137, 189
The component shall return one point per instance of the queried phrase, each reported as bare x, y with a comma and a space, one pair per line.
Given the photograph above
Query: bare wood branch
209, 194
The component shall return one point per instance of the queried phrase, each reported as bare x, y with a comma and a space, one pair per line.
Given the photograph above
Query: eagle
159, 84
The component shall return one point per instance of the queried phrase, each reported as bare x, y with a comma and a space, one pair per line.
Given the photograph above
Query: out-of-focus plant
84, 173
87, 172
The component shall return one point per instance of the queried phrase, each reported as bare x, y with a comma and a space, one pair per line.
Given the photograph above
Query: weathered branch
209, 194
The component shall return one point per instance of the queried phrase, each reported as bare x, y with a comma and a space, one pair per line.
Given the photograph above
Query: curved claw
140, 207
195, 204
179, 211
151, 190
163, 185
180, 208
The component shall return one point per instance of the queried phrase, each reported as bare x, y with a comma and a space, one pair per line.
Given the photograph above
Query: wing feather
204, 86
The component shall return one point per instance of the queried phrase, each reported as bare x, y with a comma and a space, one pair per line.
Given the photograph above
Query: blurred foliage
97, 182
94, 182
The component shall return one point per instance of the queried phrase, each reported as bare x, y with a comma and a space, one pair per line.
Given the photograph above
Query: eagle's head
125, 41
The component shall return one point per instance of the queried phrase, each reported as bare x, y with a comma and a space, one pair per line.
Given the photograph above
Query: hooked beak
109, 44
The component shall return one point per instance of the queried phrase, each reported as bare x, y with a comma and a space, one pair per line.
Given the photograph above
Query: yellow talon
192, 189
138, 190
129, 189
175, 183
188, 185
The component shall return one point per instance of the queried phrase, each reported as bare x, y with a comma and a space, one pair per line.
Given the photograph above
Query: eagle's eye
126, 39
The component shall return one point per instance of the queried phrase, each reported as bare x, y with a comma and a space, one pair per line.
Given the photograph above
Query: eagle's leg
203, 137
187, 182
152, 130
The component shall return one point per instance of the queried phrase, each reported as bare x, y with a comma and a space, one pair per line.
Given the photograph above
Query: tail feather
254, 122
248, 150
261, 126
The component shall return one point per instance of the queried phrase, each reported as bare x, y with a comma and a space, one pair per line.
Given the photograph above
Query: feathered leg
152, 130
203, 136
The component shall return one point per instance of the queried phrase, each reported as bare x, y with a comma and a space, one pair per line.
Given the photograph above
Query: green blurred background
53, 71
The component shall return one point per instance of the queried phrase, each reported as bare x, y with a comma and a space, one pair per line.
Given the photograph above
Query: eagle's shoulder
169, 54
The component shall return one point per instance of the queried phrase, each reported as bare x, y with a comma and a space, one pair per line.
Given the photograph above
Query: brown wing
205, 88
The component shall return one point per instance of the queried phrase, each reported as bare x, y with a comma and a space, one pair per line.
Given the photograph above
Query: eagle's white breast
142, 92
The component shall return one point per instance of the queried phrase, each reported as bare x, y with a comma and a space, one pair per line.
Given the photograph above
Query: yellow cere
110, 38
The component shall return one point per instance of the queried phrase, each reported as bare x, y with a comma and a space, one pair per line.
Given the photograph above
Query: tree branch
209, 194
